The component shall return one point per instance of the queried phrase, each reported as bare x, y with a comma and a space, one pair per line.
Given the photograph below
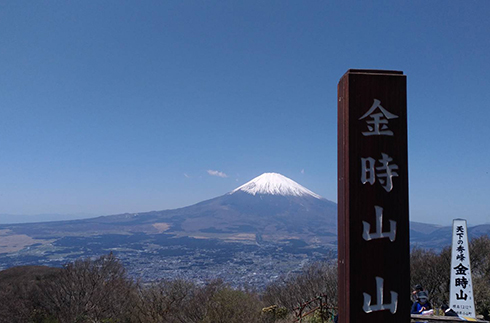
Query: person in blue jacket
421, 304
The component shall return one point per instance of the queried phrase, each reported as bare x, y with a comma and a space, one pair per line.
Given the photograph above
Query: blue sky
124, 106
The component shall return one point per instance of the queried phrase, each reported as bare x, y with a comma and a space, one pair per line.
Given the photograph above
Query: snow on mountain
274, 184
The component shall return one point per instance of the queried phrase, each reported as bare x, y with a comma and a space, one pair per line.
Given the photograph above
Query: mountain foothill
269, 222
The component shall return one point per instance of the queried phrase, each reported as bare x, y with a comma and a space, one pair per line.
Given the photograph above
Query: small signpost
461, 287
373, 231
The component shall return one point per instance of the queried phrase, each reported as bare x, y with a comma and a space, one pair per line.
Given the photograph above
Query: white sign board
461, 287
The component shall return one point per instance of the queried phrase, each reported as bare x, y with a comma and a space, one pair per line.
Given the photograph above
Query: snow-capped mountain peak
275, 184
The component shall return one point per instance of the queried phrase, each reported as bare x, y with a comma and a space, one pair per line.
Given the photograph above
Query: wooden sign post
373, 230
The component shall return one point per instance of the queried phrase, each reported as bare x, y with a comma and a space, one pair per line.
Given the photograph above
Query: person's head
422, 297
417, 288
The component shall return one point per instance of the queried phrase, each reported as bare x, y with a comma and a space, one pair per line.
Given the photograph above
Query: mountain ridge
253, 236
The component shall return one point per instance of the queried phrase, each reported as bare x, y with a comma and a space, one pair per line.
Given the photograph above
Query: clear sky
129, 106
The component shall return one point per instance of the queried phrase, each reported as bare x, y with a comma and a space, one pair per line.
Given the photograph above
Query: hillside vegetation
100, 291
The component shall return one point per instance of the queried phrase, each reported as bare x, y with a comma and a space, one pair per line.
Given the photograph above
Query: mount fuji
268, 226
274, 184
269, 208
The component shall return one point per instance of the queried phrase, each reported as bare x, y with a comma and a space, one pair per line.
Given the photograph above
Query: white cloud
216, 173
187, 176
303, 171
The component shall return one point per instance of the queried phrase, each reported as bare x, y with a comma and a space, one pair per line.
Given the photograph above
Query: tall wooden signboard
373, 252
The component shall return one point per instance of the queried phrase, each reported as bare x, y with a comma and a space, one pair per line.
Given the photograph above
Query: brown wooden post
373, 230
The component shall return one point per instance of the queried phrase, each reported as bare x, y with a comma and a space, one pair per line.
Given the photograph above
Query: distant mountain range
270, 208
264, 217
46, 217
429, 236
